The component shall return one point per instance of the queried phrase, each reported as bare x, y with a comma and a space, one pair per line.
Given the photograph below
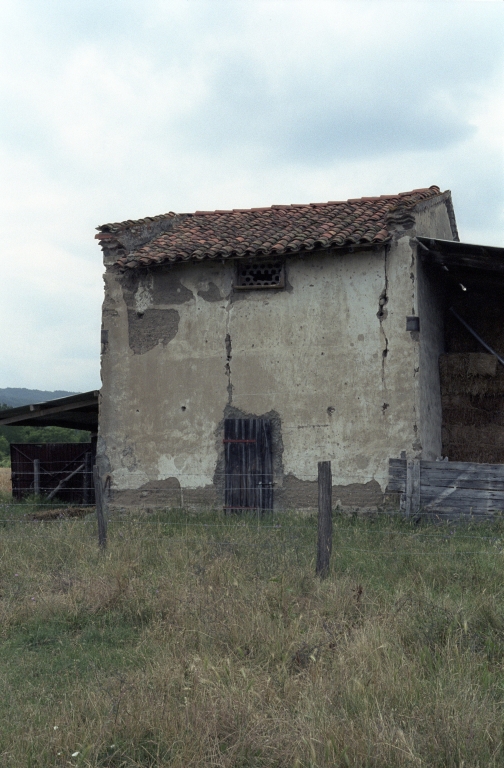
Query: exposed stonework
303, 494
154, 326
170, 290
158, 494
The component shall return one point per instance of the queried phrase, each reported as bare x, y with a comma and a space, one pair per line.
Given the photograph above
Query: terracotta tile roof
278, 230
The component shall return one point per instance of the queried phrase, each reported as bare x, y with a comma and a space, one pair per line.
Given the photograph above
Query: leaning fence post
102, 525
324, 545
36, 477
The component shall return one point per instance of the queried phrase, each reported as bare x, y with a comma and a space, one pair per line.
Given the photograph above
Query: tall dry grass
5, 480
214, 645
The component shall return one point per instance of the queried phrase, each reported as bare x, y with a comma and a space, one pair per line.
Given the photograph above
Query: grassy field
207, 641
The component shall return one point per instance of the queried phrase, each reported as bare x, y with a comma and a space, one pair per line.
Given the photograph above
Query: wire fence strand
277, 531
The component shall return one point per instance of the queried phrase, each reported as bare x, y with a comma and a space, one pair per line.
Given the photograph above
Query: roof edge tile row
275, 230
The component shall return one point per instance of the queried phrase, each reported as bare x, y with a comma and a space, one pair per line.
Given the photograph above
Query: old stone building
239, 348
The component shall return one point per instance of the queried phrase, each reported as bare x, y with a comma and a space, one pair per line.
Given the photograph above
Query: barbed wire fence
314, 539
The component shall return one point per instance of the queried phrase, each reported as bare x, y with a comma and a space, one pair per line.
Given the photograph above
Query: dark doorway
249, 465
472, 380
63, 471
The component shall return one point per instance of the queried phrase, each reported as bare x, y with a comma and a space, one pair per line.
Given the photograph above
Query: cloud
120, 110
343, 91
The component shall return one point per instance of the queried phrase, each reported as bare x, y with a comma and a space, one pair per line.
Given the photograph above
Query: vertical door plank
248, 464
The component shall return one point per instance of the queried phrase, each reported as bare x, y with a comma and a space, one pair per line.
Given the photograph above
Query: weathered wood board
454, 488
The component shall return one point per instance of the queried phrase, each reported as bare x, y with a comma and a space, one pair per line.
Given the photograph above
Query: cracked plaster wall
428, 304
431, 346
329, 356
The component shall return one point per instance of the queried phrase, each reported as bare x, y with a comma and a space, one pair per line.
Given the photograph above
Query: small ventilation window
260, 274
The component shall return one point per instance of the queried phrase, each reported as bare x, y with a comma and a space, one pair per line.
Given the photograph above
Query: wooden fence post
36, 477
102, 525
412, 487
324, 546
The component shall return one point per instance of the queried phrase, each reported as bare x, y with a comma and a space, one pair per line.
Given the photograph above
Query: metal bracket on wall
412, 323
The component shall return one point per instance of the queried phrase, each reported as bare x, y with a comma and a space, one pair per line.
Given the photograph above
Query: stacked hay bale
472, 391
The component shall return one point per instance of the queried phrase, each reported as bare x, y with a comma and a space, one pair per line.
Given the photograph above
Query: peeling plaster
210, 293
123, 478
169, 289
166, 467
143, 294
153, 327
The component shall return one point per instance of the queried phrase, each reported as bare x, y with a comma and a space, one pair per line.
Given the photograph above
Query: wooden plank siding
451, 488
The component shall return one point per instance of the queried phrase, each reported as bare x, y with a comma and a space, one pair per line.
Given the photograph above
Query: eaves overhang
73, 412
473, 265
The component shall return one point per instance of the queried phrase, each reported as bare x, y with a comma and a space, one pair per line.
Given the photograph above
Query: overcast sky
117, 109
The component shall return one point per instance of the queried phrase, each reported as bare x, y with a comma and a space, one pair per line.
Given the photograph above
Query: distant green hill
16, 396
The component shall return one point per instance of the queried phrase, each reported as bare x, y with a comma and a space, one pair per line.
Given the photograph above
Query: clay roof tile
259, 231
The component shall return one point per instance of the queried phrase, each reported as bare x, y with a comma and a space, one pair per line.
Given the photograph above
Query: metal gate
63, 471
249, 465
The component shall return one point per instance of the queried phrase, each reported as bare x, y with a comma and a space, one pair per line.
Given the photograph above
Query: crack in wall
382, 315
227, 342
228, 369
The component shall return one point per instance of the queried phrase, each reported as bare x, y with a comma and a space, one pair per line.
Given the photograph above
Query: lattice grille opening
262, 274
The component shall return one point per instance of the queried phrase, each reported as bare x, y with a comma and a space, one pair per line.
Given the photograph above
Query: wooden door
249, 465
